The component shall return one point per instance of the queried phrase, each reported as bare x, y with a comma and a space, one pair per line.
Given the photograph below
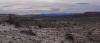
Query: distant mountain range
62, 14
58, 14
86, 14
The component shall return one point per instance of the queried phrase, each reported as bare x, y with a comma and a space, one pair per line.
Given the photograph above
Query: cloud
47, 6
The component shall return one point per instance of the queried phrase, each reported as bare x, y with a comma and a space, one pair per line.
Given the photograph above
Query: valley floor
81, 34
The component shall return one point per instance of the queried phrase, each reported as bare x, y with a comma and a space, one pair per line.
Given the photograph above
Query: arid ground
80, 28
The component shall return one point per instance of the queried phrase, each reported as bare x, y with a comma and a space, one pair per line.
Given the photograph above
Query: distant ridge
90, 14
58, 14
86, 14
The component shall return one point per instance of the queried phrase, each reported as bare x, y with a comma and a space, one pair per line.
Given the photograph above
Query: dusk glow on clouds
48, 6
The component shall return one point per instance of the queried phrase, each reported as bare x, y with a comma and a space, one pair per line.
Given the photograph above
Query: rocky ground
88, 33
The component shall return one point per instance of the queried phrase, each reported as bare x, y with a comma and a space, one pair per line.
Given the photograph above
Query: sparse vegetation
51, 24
84, 27
28, 32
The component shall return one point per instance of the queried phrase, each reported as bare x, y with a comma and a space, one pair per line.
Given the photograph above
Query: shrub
29, 32
69, 36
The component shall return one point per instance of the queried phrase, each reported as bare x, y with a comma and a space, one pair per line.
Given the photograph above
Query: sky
48, 6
